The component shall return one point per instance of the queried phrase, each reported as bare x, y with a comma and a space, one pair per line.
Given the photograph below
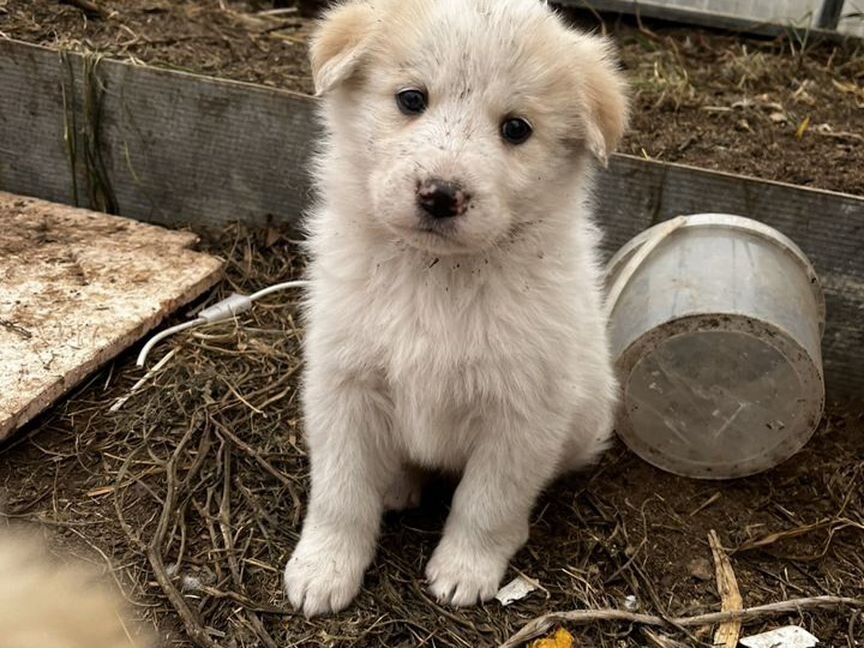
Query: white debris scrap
515, 590
785, 637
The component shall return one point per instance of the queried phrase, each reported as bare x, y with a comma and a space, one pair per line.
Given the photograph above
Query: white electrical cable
302, 283
229, 307
156, 339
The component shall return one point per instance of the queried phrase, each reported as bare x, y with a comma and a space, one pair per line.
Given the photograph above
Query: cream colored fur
481, 349
44, 604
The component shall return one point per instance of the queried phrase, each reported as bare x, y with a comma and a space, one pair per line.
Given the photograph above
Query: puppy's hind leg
592, 428
346, 426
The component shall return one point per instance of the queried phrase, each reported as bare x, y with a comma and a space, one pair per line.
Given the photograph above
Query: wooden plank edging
215, 151
172, 143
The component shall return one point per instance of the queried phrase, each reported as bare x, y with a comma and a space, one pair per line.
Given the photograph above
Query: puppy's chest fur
460, 344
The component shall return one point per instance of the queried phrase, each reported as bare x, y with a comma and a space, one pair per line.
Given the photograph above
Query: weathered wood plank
180, 148
78, 287
175, 146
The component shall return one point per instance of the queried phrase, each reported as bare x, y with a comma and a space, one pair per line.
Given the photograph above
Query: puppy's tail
48, 605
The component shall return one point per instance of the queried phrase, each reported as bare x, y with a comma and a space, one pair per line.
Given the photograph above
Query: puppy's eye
515, 130
411, 101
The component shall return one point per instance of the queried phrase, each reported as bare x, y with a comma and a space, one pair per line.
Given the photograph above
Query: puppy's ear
605, 95
341, 39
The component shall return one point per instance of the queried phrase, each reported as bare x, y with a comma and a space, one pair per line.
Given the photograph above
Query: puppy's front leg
488, 521
346, 427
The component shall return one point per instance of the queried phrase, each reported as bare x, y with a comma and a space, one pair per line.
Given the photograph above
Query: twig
277, 12
228, 543
153, 549
845, 135
246, 602
266, 465
138, 385
642, 28
727, 633
851, 632
831, 525
102, 197
14, 328
112, 570
597, 16
541, 624
716, 496
659, 641
194, 629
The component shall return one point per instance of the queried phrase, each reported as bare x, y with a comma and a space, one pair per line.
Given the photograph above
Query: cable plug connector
231, 306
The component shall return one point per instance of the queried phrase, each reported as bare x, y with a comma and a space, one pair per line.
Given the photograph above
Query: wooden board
174, 148
76, 289
180, 148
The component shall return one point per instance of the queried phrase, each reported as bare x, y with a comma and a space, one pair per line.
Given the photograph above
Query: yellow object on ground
561, 639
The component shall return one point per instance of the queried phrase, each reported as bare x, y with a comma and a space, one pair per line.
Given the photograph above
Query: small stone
700, 568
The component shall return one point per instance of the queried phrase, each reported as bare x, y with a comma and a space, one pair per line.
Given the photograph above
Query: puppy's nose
442, 199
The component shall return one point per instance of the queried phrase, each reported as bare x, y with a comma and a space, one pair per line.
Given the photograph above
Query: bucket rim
720, 220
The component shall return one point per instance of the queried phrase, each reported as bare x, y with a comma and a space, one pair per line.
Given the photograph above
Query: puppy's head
465, 120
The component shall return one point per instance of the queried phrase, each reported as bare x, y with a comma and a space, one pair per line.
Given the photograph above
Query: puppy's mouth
442, 229
431, 236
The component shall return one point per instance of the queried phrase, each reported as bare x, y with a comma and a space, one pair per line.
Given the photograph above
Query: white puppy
455, 316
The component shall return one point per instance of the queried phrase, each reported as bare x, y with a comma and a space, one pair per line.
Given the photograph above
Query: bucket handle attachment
660, 234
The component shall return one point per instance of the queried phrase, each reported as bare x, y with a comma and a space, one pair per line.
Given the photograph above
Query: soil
788, 109
211, 445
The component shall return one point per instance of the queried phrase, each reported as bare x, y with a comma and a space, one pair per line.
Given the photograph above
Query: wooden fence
175, 148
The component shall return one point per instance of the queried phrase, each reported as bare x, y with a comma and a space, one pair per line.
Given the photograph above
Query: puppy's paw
323, 577
462, 575
405, 492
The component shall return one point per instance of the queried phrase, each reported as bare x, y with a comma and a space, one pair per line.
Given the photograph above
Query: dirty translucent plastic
717, 337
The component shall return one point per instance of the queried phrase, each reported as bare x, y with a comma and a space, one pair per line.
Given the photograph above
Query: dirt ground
191, 495
787, 109
201, 478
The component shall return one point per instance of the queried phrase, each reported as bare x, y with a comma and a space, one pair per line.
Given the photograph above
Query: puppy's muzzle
441, 199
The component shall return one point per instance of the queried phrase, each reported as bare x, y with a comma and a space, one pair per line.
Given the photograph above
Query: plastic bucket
716, 324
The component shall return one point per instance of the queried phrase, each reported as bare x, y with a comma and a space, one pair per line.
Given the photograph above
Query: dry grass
191, 497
